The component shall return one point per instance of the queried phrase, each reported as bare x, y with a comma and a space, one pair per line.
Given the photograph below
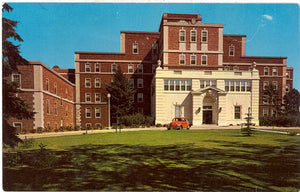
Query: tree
291, 102
12, 105
121, 96
271, 97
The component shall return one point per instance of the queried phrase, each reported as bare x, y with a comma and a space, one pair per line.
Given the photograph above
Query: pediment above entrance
208, 90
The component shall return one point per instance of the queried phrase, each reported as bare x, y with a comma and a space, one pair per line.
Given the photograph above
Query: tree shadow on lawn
169, 167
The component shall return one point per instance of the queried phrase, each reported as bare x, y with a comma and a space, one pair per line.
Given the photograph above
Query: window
87, 67
153, 68
275, 85
130, 68
193, 35
204, 35
288, 75
140, 97
248, 85
135, 48
265, 112
266, 71
88, 112
231, 50
66, 111
88, 126
18, 126
87, 83
287, 88
235, 68
131, 83
97, 97
243, 88
66, 93
231, 85
207, 83
97, 82
154, 49
237, 86
97, 67
47, 84
275, 71
204, 60
97, 112
226, 85
55, 88
98, 126
140, 68
55, 108
88, 97
177, 85
48, 107
17, 79
182, 36
181, 59
193, 59
113, 68
140, 83
237, 112
266, 84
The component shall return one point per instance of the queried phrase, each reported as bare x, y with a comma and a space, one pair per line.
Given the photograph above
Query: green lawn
202, 160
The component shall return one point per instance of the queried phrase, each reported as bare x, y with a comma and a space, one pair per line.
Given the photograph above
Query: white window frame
14, 80
287, 88
238, 112
275, 84
182, 58
140, 97
20, 123
86, 81
98, 95
88, 125
140, 83
87, 109
135, 48
265, 112
47, 85
97, 116
195, 59
88, 97
193, 36
182, 37
266, 84
266, 71
275, 71
97, 66
114, 67
87, 68
204, 36
48, 112
288, 74
204, 56
55, 88
140, 68
55, 108
97, 82
130, 68
231, 50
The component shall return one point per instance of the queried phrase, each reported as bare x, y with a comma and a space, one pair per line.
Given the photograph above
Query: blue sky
52, 32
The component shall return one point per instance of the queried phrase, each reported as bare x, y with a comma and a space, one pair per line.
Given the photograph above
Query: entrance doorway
207, 115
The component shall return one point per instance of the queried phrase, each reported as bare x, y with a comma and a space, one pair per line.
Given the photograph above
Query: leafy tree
271, 97
121, 96
291, 102
12, 105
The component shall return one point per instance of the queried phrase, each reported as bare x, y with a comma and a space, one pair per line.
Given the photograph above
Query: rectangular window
181, 59
98, 126
266, 84
87, 83
275, 85
226, 85
193, 59
231, 50
135, 47
87, 67
237, 85
98, 97
131, 83
204, 35
47, 106
166, 85
66, 111
266, 71
193, 35
213, 83
231, 85
88, 112
55, 108
140, 83
265, 112
183, 85
204, 60
237, 112
88, 97
55, 88
236, 68
140, 68
47, 84
113, 68
97, 112
188, 85
154, 49
97, 82
88, 126
171, 85
287, 88
130, 68
288, 75
202, 84
182, 36
18, 126
243, 87
140, 97
97, 67
275, 71
248, 84
16, 78
177, 85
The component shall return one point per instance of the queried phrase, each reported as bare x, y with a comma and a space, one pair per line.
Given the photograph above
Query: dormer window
135, 48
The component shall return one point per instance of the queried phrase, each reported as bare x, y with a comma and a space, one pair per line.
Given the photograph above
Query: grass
202, 160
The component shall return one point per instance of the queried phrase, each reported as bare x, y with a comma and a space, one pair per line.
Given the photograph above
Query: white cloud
269, 17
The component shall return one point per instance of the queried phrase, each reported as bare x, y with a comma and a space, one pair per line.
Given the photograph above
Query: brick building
188, 68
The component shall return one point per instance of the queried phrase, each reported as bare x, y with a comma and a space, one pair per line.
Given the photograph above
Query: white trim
193, 30
99, 112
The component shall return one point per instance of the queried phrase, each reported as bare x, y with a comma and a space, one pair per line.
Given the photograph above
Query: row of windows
114, 66
193, 36
267, 83
97, 98
97, 83
55, 108
193, 59
135, 48
97, 112
274, 71
177, 85
47, 88
237, 86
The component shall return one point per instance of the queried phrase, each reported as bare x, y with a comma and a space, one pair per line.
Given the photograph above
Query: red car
179, 123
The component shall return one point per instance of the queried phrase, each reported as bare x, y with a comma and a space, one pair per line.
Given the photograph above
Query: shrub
158, 125
39, 130
284, 120
135, 120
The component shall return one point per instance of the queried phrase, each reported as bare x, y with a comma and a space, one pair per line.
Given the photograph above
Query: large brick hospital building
188, 68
